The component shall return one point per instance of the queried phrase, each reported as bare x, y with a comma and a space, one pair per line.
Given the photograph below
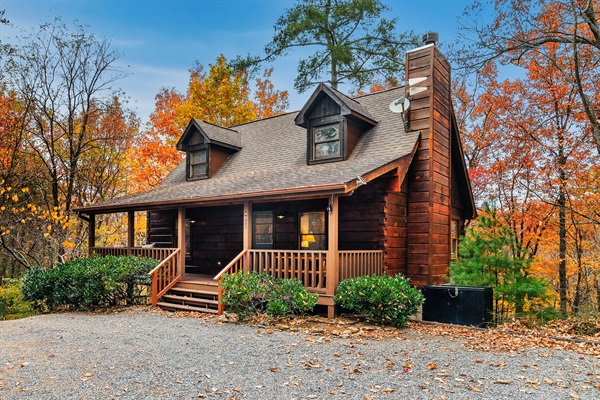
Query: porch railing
156, 253
164, 276
356, 263
305, 265
237, 264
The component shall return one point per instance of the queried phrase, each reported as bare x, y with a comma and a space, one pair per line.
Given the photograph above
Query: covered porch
319, 241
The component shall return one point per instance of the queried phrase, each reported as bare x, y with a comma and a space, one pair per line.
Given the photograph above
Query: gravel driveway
138, 354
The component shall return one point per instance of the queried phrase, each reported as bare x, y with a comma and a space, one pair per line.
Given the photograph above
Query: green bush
89, 282
12, 305
380, 298
253, 292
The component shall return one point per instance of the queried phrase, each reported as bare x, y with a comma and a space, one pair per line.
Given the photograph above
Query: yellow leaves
15, 198
25, 190
68, 244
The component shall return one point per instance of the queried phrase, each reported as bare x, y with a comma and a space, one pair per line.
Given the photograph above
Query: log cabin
345, 187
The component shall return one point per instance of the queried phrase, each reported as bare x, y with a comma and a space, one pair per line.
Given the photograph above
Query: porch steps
191, 296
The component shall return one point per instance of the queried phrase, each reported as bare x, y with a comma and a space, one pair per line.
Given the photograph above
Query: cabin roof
212, 134
349, 106
272, 160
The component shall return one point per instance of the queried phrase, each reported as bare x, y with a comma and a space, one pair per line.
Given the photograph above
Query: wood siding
215, 237
429, 178
325, 106
361, 217
395, 224
161, 228
218, 155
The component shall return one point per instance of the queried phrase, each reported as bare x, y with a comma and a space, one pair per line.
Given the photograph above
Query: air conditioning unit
460, 305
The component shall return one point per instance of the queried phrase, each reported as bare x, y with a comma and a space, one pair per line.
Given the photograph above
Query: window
312, 231
198, 163
262, 224
326, 141
454, 238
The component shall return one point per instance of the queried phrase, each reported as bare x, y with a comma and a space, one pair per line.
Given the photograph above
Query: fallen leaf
87, 375
431, 366
475, 389
503, 382
273, 369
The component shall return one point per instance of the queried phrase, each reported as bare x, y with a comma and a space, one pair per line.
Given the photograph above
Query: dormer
334, 123
207, 148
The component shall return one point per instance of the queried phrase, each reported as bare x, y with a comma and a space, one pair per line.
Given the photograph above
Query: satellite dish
399, 105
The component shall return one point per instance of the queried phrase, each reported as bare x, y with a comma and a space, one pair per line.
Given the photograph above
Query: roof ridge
215, 125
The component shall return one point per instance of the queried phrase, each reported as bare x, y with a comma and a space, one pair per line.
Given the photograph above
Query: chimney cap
430, 38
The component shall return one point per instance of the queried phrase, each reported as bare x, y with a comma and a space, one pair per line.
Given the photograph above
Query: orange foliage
220, 97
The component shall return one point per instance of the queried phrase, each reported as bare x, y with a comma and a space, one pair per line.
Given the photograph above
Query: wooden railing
164, 276
304, 265
355, 263
234, 266
156, 253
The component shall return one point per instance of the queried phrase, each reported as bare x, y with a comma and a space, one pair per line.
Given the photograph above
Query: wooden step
181, 307
207, 286
187, 299
194, 291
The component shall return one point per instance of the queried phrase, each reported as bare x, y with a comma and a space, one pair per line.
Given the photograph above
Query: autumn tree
353, 43
220, 96
526, 139
68, 134
520, 28
64, 76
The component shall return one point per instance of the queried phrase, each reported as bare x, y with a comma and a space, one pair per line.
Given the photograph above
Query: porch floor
199, 278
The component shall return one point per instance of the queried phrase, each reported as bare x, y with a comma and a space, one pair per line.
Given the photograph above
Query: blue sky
159, 39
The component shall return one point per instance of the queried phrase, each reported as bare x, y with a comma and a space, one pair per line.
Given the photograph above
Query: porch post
130, 231
332, 271
247, 234
181, 241
92, 234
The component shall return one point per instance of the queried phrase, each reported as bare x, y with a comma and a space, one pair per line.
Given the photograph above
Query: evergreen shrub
381, 298
248, 293
90, 282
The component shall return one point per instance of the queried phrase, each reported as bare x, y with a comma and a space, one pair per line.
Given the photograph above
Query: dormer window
334, 124
326, 141
198, 160
207, 147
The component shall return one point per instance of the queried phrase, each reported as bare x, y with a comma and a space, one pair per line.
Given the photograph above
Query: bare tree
66, 76
522, 27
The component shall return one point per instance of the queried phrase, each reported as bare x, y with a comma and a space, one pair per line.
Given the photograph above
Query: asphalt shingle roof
273, 159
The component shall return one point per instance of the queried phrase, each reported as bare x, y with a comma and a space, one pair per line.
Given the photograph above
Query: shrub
12, 305
380, 298
253, 292
89, 282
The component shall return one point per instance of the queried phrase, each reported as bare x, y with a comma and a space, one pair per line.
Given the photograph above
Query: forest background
525, 88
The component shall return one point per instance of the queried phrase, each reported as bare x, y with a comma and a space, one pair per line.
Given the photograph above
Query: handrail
230, 265
168, 274
163, 262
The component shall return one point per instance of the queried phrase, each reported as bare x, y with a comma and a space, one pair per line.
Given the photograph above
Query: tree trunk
562, 229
